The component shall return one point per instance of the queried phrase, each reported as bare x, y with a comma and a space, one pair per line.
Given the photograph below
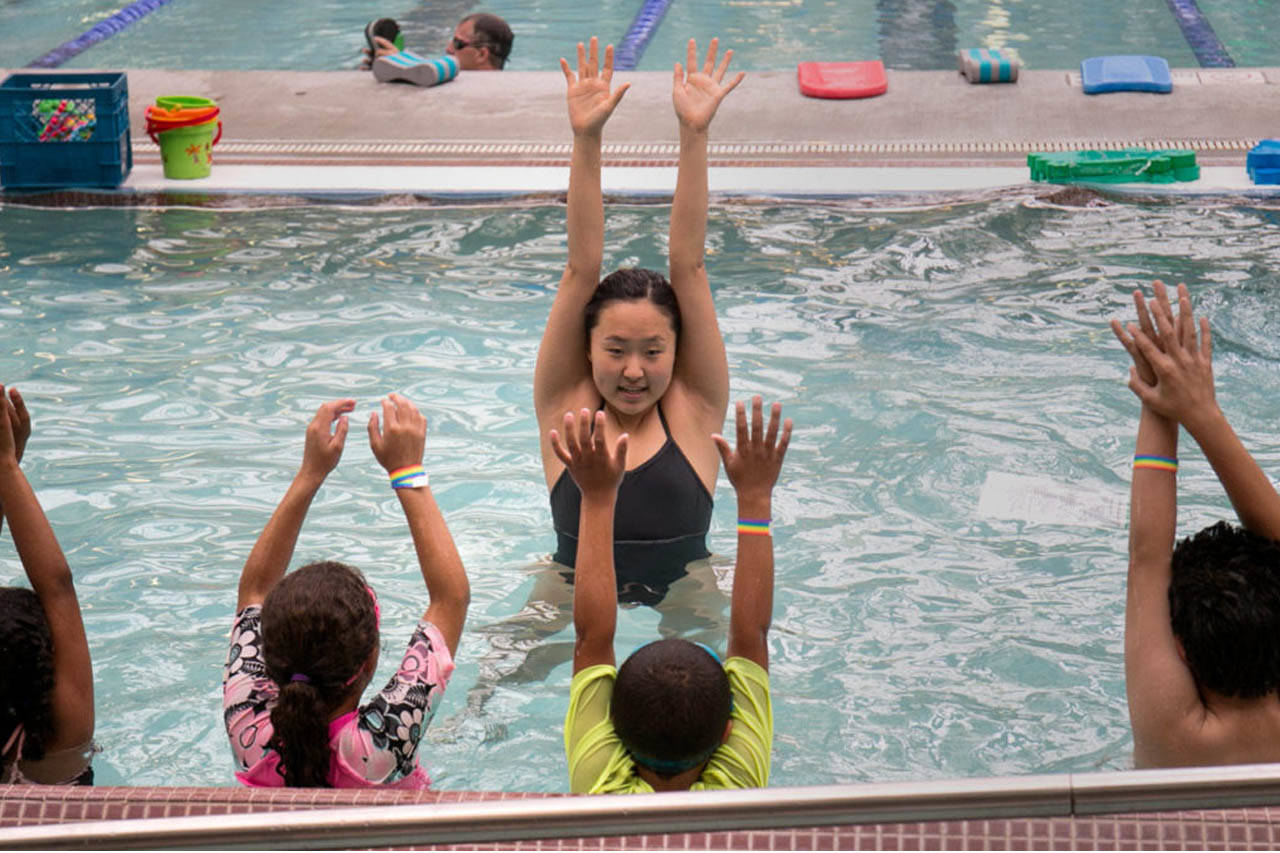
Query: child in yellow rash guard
600, 764
672, 717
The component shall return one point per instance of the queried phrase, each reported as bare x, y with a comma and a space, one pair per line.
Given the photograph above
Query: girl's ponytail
301, 722
319, 627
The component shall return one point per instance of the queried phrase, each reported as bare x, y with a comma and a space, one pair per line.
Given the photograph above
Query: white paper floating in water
1044, 501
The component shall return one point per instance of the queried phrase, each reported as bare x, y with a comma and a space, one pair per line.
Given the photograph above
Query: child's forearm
688, 235
1153, 493
595, 596
269, 559
1250, 491
752, 598
38, 549
441, 565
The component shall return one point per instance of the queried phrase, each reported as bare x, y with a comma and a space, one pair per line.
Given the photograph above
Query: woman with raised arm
644, 350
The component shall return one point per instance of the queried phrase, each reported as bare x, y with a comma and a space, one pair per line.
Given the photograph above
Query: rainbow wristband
409, 477
753, 527
1157, 463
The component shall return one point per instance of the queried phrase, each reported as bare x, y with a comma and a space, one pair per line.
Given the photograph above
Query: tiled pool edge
1227, 807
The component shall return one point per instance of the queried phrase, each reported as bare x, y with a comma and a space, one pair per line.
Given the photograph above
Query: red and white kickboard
842, 79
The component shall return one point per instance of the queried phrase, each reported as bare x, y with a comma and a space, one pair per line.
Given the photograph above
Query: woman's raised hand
589, 94
697, 95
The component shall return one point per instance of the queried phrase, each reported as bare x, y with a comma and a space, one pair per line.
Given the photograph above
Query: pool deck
504, 133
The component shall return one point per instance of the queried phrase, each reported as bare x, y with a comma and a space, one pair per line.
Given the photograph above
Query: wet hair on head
1224, 605
633, 284
318, 629
26, 670
494, 33
671, 702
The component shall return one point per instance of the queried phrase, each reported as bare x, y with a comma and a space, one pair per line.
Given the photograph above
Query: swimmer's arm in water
1185, 372
269, 559
598, 473
1164, 705
20, 421
401, 442
752, 468
562, 364
46, 568
696, 93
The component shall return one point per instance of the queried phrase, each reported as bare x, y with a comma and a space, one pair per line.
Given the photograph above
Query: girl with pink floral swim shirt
376, 743
304, 645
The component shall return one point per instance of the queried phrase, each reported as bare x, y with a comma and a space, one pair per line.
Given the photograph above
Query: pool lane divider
100, 31
1209, 50
631, 48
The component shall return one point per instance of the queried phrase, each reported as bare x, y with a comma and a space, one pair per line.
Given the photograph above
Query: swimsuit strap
666, 430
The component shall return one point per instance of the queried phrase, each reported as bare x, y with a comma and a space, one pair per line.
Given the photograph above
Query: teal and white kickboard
1101, 74
988, 65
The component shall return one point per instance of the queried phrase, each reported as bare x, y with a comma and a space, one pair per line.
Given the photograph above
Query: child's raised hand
753, 466
324, 443
1147, 327
698, 96
1181, 363
8, 443
19, 420
402, 438
589, 97
586, 455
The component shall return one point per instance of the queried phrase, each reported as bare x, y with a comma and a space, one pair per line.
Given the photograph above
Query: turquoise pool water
172, 357
767, 34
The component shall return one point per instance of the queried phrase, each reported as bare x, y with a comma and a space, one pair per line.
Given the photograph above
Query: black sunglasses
461, 44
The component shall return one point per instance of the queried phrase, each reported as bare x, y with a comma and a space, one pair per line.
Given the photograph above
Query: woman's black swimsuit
660, 523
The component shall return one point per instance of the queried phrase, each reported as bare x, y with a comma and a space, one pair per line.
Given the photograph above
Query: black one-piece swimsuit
660, 523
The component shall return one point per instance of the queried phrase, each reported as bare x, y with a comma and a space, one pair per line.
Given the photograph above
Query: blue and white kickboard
1125, 74
983, 65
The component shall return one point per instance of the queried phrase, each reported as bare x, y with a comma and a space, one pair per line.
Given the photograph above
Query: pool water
171, 358
767, 34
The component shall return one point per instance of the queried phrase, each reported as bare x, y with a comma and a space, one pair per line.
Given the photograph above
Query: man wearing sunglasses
480, 42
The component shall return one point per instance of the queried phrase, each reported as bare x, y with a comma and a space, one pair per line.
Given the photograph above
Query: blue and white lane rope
100, 31
1209, 50
627, 54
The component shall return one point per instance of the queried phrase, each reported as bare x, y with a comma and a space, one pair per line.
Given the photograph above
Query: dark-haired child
672, 718
1202, 619
46, 675
305, 645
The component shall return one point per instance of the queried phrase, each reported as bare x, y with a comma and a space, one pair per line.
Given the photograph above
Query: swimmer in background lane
46, 675
1202, 618
645, 351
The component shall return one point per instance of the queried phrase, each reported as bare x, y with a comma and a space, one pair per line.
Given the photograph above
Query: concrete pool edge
1064, 808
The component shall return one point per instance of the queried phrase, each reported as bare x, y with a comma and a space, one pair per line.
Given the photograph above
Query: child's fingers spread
582, 60
691, 56
388, 413
740, 421
593, 57
775, 414
568, 74
375, 436
742, 75
757, 418
723, 446
558, 446
709, 66
608, 63
597, 434
1206, 344
785, 440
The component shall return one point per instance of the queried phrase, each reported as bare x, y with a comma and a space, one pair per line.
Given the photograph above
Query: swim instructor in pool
645, 350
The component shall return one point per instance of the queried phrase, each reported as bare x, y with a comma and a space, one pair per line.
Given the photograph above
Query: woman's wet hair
318, 629
671, 702
1224, 606
26, 670
633, 284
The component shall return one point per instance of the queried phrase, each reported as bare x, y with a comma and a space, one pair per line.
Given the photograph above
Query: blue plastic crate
64, 130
